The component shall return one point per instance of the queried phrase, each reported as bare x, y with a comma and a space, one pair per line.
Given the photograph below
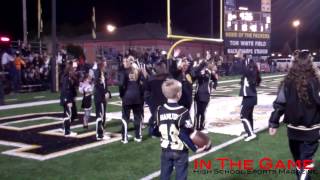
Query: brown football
200, 139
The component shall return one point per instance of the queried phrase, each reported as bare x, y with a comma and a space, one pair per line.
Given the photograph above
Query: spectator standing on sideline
18, 62
299, 100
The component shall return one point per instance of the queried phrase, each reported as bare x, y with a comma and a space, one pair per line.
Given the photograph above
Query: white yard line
237, 80
38, 97
39, 103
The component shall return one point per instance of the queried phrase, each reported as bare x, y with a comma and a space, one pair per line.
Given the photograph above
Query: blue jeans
177, 159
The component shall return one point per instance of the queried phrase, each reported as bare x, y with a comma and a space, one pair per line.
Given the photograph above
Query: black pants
246, 116
152, 119
101, 108
74, 113
303, 150
170, 159
200, 110
66, 119
137, 115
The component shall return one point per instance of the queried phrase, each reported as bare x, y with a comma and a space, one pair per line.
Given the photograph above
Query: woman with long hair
299, 100
67, 98
131, 93
101, 95
207, 80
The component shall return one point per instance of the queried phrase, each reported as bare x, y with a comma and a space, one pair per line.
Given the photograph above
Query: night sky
77, 13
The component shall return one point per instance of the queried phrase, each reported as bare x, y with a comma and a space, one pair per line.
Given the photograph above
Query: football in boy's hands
200, 139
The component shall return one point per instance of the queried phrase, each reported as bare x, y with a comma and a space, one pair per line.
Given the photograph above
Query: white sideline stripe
38, 97
39, 103
200, 155
265, 77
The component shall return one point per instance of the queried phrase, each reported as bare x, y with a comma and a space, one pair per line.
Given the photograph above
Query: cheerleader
131, 93
181, 71
86, 88
207, 80
101, 95
67, 96
154, 91
249, 81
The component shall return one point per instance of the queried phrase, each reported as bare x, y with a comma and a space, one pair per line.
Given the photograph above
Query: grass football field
117, 161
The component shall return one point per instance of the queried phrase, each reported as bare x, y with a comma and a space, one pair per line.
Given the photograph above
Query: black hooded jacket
302, 119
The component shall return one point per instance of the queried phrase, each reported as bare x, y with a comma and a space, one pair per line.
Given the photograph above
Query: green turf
31, 123
112, 161
39, 96
30, 97
133, 160
48, 108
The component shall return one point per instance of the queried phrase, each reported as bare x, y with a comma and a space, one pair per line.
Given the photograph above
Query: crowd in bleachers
25, 68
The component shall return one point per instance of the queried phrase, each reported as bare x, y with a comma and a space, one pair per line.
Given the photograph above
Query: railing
36, 46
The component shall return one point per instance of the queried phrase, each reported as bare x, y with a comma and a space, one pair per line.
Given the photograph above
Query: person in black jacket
67, 96
181, 71
249, 81
101, 94
299, 100
153, 89
131, 93
207, 79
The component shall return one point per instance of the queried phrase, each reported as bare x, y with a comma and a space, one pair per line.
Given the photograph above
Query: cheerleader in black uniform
153, 89
249, 81
67, 96
207, 79
181, 71
101, 94
131, 93
86, 88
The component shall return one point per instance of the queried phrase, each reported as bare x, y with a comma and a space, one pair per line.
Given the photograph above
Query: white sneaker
124, 141
104, 138
137, 140
129, 136
249, 138
72, 134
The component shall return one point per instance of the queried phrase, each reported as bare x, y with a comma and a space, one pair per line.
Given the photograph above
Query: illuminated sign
247, 26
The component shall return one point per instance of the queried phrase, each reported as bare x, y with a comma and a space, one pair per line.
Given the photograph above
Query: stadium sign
247, 26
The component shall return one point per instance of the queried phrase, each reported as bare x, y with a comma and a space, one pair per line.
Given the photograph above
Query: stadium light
314, 54
272, 54
110, 28
279, 55
296, 24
